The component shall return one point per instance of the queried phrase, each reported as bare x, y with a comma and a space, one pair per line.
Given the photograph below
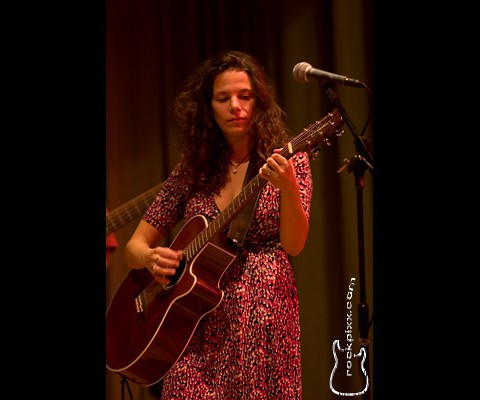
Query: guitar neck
126, 213
307, 140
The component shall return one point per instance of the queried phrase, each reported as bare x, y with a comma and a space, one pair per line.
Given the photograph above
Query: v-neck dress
249, 346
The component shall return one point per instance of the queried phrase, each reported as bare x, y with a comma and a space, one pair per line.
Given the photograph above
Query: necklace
236, 165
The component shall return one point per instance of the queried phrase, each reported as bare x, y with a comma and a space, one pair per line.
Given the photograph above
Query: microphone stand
358, 164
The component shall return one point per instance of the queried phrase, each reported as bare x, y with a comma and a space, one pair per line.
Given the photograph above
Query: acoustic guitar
148, 324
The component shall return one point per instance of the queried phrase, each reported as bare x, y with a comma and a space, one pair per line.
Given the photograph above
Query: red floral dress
249, 346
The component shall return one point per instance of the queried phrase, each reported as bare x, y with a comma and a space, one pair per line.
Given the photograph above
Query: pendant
236, 165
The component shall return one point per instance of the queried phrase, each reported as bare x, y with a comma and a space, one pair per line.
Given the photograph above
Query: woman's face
233, 103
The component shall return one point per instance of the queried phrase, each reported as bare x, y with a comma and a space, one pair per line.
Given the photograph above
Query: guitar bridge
139, 305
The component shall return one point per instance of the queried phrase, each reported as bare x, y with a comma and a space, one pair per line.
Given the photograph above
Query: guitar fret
206, 234
242, 197
206, 237
196, 245
202, 241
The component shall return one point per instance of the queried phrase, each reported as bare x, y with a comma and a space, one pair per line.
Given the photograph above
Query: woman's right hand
162, 262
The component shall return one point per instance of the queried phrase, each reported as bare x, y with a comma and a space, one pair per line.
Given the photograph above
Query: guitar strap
239, 226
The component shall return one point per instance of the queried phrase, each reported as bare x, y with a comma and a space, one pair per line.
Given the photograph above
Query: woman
249, 346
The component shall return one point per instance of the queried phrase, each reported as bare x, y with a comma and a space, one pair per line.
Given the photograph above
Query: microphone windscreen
300, 71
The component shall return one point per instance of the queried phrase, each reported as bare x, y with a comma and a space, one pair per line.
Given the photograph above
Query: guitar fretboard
134, 208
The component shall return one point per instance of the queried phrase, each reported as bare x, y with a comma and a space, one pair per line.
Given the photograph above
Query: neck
240, 147
237, 161
236, 164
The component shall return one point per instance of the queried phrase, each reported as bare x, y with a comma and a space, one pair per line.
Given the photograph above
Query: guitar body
149, 325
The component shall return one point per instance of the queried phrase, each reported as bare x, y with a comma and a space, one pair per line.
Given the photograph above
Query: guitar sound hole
178, 274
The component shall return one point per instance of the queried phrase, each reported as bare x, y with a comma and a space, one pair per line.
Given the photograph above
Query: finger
153, 269
280, 160
167, 262
167, 252
262, 171
272, 175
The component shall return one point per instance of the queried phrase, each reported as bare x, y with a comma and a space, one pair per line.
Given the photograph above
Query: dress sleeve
167, 209
303, 172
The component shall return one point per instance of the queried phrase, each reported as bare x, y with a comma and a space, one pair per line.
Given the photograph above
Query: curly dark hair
205, 154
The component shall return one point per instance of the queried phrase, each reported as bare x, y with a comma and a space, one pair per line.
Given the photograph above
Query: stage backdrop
151, 47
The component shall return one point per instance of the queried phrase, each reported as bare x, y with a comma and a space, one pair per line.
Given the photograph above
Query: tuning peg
346, 163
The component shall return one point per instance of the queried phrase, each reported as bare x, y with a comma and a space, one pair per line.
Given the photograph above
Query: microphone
302, 71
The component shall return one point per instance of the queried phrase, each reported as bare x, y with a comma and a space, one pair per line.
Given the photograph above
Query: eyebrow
239, 91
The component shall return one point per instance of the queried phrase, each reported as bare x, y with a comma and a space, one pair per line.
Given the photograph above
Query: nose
234, 105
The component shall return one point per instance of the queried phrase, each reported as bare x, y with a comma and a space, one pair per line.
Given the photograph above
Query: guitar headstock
316, 134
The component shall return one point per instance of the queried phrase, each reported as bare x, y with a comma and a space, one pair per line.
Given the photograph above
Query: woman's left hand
278, 170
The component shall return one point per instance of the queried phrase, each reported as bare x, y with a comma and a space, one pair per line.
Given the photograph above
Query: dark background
151, 47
